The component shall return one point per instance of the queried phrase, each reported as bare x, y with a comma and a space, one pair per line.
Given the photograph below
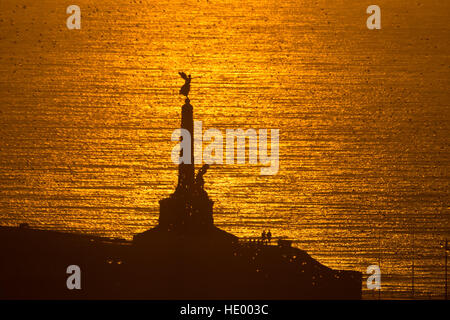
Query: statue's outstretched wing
183, 75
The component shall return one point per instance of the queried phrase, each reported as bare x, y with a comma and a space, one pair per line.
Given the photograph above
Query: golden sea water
86, 118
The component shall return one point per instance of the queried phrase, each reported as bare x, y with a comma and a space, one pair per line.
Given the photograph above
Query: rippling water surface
86, 118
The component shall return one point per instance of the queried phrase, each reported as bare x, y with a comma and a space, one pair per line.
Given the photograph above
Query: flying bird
187, 84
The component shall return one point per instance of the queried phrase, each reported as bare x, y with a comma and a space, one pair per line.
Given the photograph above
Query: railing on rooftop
280, 241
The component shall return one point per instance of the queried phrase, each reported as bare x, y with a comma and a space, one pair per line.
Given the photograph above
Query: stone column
186, 171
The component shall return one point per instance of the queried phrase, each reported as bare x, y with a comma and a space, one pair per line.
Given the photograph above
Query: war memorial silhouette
184, 257
189, 210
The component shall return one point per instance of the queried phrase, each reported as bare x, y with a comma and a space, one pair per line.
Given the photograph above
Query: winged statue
187, 84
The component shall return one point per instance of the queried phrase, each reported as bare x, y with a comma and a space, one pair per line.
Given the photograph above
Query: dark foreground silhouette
185, 257
34, 262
